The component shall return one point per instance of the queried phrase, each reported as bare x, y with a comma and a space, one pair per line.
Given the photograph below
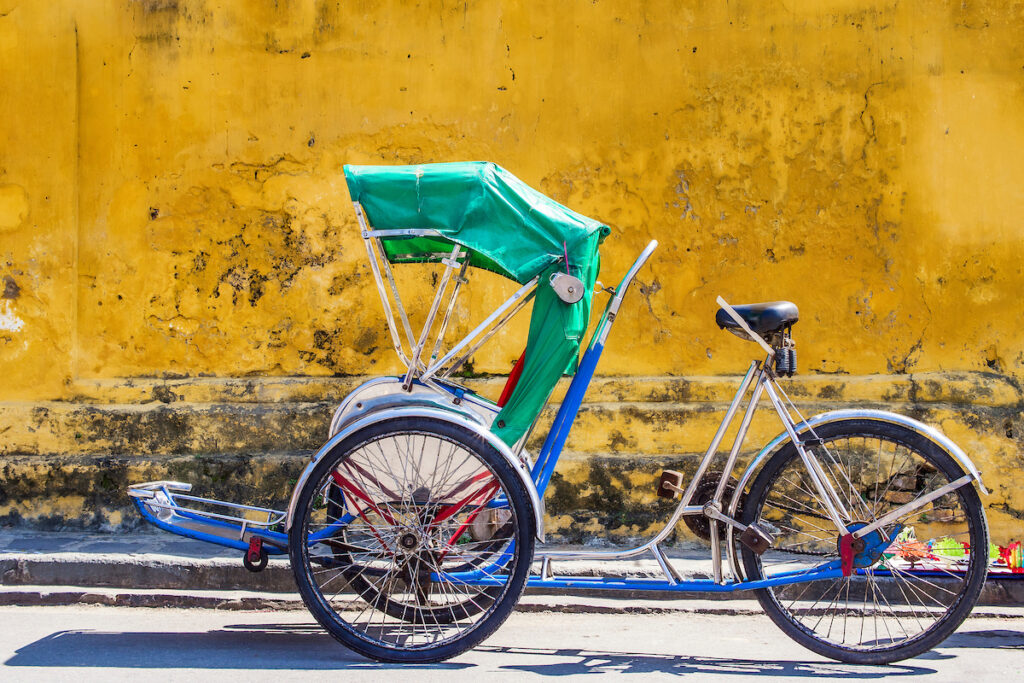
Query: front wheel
915, 580
412, 540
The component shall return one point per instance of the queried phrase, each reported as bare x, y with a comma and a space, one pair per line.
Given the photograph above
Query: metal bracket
545, 569
568, 288
150, 488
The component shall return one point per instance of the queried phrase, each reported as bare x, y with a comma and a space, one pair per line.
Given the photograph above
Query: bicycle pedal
757, 539
670, 484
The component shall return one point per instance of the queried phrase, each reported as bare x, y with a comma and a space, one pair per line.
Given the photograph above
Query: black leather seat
762, 318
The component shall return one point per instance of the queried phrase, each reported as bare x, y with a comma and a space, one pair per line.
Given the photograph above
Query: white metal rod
212, 515
717, 440
459, 281
450, 266
666, 568
398, 297
741, 433
913, 505
404, 232
520, 293
605, 324
744, 326
820, 484
483, 340
684, 507
396, 340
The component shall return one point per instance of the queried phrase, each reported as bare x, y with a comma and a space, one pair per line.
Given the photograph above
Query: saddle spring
785, 352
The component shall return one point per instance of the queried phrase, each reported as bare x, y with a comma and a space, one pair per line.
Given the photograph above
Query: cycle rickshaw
413, 531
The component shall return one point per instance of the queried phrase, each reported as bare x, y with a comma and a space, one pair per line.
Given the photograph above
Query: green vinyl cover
509, 228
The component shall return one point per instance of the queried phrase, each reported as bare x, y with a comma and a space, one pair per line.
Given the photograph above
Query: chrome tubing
450, 265
517, 297
835, 508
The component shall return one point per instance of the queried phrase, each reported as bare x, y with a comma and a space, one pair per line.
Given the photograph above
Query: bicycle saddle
762, 318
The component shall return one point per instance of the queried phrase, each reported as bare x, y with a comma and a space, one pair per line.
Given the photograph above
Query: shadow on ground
991, 639
603, 662
244, 646
307, 647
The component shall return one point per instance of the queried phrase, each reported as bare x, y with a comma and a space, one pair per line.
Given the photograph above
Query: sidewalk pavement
161, 569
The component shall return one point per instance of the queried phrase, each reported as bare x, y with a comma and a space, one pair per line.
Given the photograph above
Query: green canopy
508, 228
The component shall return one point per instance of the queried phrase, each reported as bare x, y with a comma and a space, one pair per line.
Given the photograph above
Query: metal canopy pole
521, 296
451, 264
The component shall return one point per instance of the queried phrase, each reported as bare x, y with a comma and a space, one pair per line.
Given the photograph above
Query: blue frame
275, 537
541, 474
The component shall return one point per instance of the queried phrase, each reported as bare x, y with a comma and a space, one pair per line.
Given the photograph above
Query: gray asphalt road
111, 643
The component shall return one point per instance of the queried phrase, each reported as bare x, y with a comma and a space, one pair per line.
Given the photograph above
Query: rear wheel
365, 578
915, 580
412, 540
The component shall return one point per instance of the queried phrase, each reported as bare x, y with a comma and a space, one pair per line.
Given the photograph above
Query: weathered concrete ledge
977, 388
66, 464
225, 415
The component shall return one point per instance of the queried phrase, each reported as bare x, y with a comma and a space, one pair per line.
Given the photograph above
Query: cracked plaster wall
171, 198
172, 205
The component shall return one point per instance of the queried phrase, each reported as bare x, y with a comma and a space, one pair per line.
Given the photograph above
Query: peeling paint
9, 322
11, 288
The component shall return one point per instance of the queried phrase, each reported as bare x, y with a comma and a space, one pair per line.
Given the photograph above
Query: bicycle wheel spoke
396, 543
915, 578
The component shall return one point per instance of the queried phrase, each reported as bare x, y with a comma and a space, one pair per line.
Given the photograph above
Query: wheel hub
409, 542
866, 550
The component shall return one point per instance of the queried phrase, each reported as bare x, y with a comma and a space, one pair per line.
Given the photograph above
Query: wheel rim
901, 591
390, 541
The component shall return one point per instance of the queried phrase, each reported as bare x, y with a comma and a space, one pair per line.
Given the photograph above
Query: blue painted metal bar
237, 544
626, 584
332, 529
552, 448
198, 535
259, 531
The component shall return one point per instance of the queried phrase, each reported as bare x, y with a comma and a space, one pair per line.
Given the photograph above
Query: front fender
929, 432
433, 413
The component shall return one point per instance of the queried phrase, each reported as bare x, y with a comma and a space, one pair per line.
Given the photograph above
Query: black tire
920, 590
418, 481
259, 565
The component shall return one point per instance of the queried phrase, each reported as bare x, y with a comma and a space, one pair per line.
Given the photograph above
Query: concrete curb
252, 600
153, 570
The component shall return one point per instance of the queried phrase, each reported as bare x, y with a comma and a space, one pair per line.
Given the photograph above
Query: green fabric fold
509, 228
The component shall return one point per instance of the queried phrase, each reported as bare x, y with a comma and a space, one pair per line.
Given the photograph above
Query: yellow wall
171, 197
171, 201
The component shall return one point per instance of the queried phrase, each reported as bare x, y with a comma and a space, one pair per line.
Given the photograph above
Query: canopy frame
410, 351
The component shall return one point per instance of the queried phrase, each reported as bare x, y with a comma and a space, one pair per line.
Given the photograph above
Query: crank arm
715, 514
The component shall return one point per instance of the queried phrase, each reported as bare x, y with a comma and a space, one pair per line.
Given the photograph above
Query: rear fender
382, 393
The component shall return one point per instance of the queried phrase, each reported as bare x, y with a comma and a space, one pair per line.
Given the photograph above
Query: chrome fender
444, 414
386, 392
927, 431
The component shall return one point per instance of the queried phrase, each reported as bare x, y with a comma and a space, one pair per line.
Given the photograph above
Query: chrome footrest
168, 504
149, 489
